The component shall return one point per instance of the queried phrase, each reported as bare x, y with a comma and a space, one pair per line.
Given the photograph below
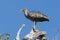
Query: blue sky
11, 19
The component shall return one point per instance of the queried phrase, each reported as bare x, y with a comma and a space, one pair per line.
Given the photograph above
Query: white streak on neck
26, 12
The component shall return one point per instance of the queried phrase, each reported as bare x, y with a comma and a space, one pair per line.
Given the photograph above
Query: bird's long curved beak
20, 10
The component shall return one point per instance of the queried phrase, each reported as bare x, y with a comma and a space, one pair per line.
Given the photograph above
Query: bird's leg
34, 27
34, 24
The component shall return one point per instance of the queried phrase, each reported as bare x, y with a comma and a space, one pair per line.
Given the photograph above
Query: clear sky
11, 19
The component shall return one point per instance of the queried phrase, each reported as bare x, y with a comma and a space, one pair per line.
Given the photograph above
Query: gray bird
35, 16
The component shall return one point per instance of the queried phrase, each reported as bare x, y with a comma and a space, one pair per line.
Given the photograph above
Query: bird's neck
26, 12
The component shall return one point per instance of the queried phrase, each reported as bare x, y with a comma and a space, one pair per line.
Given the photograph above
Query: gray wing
35, 14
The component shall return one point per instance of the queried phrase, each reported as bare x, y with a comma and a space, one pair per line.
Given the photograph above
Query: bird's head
25, 11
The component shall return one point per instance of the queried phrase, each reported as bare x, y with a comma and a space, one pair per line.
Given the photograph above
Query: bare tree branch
19, 31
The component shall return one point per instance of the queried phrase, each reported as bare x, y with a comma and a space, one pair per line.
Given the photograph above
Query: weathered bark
35, 35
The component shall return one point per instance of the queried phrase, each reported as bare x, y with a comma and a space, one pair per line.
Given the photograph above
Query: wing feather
35, 14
